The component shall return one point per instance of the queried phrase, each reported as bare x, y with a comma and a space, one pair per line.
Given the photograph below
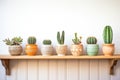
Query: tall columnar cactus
47, 42
91, 40
31, 40
61, 38
108, 35
76, 40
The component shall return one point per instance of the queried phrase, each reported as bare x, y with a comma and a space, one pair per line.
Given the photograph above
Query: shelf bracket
113, 63
5, 63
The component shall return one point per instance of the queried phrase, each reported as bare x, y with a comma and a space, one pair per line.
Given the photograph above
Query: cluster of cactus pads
61, 38
108, 35
91, 40
47, 42
31, 40
77, 40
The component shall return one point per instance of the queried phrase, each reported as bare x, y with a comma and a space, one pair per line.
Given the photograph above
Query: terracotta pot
108, 49
76, 50
47, 50
31, 49
15, 50
61, 50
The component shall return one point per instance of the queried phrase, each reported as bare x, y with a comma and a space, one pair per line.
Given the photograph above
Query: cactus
31, 40
77, 40
108, 35
47, 42
91, 40
60, 39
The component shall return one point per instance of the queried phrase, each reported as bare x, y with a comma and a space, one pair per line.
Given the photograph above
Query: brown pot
76, 50
61, 50
108, 49
15, 50
31, 49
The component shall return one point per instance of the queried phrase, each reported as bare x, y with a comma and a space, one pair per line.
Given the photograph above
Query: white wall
43, 18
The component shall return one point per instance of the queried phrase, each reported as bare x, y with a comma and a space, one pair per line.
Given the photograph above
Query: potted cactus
47, 48
14, 45
31, 47
108, 47
92, 46
61, 48
77, 47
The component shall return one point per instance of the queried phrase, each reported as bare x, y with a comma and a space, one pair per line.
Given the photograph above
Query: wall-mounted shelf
5, 59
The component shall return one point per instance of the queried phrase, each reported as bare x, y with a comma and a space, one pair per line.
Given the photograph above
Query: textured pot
47, 50
76, 50
108, 49
31, 49
92, 49
61, 50
15, 50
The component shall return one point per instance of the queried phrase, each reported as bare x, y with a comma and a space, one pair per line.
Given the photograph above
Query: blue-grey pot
92, 49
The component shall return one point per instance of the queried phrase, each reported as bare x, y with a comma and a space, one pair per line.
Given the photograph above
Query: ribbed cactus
91, 40
76, 40
31, 40
107, 35
60, 38
47, 42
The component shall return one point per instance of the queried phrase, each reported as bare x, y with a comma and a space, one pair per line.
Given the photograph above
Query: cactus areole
60, 38
108, 35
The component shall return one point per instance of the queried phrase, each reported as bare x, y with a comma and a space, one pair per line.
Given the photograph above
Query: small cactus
77, 40
108, 35
47, 42
60, 39
31, 40
91, 40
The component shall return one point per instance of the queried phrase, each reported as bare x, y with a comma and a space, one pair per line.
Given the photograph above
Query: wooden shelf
117, 56
5, 59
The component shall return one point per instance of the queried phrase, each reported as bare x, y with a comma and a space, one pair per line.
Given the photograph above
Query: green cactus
47, 42
91, 40
77, 40
31, 40
61, 38
108, 35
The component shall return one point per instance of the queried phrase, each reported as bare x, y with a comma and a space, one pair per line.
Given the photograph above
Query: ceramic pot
15, 50
47, 50
108, 49
76, 50
61, 50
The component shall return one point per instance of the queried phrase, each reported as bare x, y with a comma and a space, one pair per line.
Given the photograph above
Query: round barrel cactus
31, 40
91, 40
47, 42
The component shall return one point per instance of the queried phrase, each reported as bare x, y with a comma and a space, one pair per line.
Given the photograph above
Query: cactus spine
31, 40
108, 35
91, 40
47, 42
76, 40
61, 38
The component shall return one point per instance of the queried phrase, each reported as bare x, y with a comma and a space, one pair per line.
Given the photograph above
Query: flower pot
76, 50
108, 49
92, 49
47, 50
15, 50
31, 49
61, 50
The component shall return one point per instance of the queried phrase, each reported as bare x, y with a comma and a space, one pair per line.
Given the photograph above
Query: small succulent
77, 40
47, 42
31, 40
61, 38
13, 41
91, 40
